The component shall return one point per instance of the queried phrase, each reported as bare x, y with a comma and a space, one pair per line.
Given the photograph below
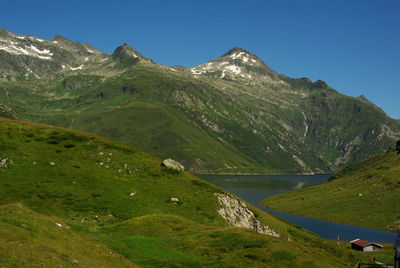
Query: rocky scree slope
232, 114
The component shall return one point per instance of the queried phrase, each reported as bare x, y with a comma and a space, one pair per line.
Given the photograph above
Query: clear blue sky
353, 45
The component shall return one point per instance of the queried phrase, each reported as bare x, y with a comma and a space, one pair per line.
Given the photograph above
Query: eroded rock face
169, 163
236, 213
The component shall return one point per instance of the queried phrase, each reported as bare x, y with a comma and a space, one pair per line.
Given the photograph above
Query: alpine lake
254, 188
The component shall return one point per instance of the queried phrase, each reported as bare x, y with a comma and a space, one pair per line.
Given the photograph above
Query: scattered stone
360, 195
133, 192
52, 164
236, 213
101, 153
175, 200
169, 163
58, 224
5, 163
127, 169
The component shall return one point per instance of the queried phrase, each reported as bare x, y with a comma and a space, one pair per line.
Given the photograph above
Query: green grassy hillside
366, 194
86, 201
30, 239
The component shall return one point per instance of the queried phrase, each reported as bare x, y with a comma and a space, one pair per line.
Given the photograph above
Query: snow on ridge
90, 51
245, 57
29, 51
237, 55
20, 37
36, 39
44, 51
194, 71
77, 68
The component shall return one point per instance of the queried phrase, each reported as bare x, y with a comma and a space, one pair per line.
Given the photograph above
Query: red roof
359, 242
363, 243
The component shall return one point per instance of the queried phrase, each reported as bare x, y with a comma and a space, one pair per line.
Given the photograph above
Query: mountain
233, 114
69, 198
365, 193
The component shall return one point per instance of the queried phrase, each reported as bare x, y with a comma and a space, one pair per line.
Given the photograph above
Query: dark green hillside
366, 193
78, 197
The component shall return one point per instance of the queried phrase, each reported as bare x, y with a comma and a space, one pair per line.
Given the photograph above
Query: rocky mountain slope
69, 198
365, 193
231, 114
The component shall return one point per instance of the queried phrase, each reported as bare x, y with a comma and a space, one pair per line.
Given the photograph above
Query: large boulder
172, 164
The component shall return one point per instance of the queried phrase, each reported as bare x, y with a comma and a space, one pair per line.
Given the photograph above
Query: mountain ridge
232, 114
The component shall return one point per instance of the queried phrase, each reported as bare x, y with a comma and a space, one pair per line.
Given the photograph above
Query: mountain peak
235, 64
236, 50
126, 54
60, 38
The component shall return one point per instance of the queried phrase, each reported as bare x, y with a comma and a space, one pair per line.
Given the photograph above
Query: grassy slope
89, 190
211, 125
30, 239
371, 186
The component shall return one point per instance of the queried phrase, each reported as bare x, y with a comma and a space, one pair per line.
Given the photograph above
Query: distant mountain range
229, 115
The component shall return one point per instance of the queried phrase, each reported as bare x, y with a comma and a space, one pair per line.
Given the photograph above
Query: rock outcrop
398, 146
5, 163
237, 214
169, 163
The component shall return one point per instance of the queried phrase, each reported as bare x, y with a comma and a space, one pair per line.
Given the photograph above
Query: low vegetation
365, 194
71, 198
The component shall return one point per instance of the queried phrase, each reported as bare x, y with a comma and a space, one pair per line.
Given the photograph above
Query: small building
363, 245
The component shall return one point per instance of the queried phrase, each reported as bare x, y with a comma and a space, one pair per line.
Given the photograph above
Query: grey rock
5, 163
236, 213
174, 199
169, 163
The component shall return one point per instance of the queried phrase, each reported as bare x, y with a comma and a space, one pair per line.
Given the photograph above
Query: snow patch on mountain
77, 68
245, 57
233, 68
19, 49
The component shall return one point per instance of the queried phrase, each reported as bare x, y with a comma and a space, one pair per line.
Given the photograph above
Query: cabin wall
369, 248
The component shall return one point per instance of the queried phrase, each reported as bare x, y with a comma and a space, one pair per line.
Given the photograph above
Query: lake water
254, 188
